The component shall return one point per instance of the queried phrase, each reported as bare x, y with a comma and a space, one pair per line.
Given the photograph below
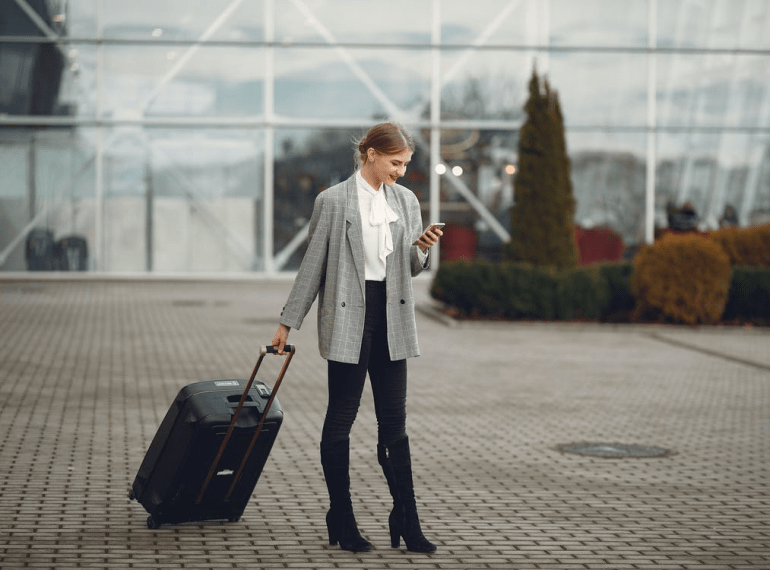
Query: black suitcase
72, 253
39, 250
209, 451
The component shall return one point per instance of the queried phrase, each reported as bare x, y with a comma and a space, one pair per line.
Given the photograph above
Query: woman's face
387, 168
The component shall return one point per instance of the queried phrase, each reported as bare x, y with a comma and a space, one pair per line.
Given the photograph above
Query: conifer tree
542, 229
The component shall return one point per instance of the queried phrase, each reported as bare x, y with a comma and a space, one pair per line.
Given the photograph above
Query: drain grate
613, 450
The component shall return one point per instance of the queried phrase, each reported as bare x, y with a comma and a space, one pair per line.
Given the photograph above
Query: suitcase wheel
131, 495
234, 519
152, 523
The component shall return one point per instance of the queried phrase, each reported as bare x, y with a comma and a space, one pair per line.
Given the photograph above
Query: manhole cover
613, 450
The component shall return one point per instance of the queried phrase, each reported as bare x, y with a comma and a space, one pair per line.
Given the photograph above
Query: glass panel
160, 81
479, 164
714, 90
721, 176
598, 23
491, 22
307, 161
183, 20
44, 79
488, 84
608, 181
320, 83
399, 22
600, 88
180, 200
80, 18
714, 24
77, 91
49, 187
594, 89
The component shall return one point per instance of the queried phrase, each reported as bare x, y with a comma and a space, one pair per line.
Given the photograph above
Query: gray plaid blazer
333, 270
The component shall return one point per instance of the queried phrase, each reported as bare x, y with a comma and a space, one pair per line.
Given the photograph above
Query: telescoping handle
290, 350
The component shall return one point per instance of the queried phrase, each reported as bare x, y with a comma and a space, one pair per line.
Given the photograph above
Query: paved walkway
89, 367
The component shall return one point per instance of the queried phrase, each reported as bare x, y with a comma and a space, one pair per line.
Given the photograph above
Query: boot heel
332, 531
395, 537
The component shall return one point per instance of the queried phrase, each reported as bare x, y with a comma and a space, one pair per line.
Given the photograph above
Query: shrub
528, 291
684, 278
459, 284
745, 246
749, 298
504, 290
582, 293
618, 278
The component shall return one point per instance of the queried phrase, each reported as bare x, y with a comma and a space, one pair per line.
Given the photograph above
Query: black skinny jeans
388, 378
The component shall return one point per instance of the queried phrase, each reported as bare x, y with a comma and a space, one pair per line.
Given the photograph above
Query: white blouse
376, 217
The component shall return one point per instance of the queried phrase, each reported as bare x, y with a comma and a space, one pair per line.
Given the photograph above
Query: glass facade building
192, 136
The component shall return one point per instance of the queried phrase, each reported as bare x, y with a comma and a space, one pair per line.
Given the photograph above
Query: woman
360, 262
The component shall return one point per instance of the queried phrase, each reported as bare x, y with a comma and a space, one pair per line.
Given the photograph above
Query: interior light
157, 32
440, 169
510, 169
457, 170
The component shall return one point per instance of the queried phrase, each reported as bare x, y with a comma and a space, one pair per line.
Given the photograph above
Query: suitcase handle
274, 349
290, 349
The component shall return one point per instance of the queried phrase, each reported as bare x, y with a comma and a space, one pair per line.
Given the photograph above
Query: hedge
515, 290
745, 246
599, 292
749, 297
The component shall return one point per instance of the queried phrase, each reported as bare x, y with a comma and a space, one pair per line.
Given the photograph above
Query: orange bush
685, 278
745, 246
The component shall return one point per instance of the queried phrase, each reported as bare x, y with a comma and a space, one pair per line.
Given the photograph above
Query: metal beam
41, 24
652, 159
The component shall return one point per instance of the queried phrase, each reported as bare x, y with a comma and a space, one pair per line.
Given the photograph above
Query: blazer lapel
396, 228
354, 230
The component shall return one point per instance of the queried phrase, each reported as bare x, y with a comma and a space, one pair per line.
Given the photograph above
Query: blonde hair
385, 138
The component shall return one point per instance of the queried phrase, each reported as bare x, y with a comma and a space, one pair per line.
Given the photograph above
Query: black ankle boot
340, 521
396, 462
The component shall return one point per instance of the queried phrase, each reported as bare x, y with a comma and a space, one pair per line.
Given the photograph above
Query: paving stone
89, 366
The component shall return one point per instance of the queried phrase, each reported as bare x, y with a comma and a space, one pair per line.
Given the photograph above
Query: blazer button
403, 302
343, 303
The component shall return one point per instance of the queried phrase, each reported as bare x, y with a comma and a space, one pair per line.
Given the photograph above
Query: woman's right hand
280, 338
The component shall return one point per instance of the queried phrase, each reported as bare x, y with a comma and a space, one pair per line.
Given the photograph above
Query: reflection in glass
598, 23
321, 83
484, 84
202, 70
608, 182
481, 162
713, 90
48, 185
182, 20
494, 23
601, 88
182, 200
395, 22
715, 174
160, 80
713, 24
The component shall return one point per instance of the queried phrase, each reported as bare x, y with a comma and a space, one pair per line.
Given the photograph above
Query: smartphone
430, 227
